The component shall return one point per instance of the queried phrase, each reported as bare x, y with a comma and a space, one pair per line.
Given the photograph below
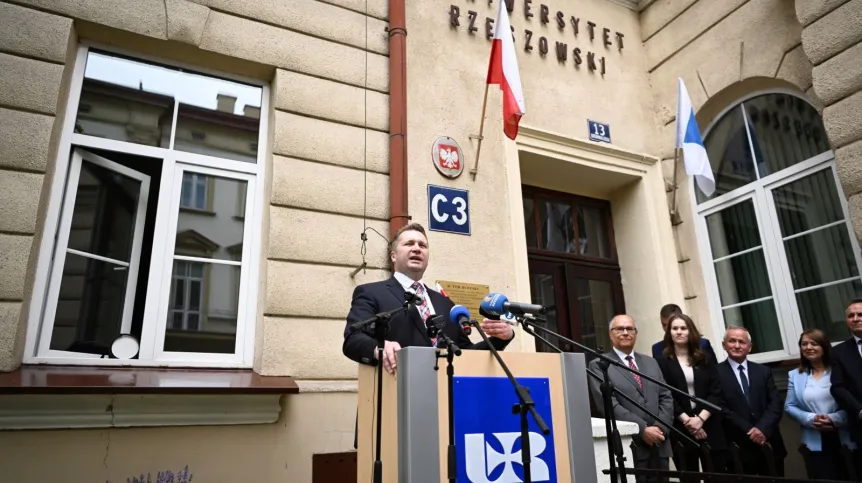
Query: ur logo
488, 435
483, 460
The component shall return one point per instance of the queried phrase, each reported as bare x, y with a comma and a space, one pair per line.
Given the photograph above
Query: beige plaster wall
832, 40
328, 67
309, 423
722, 50
446, 81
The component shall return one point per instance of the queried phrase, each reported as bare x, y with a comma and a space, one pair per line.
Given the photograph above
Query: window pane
729, 154
90, 306
761, 321
558, 232
226, 128
133, 101
733, 230
823, 308
785, 130
596, 307
821, 257
212, 328
214, 231
807, 203
530, 223
542, 290
103, 218
593, 232
742, 278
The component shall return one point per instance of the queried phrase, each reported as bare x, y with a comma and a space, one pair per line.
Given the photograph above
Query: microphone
461, 316
496, 304
434, 325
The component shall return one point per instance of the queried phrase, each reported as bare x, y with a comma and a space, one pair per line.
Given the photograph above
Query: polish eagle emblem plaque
447, 157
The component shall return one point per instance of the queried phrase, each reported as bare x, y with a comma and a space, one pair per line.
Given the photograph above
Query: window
779, 252
156, 205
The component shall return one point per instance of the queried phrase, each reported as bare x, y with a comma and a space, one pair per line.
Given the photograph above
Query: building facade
214, 177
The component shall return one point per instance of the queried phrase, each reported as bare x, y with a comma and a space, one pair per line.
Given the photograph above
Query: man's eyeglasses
620, 330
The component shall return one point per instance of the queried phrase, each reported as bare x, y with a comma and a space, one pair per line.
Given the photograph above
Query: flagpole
481, 131
674, 216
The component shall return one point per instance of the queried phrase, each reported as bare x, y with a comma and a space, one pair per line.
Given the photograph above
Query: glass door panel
548, 288
95, 269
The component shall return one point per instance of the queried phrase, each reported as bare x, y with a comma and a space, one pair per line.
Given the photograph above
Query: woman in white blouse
809, 402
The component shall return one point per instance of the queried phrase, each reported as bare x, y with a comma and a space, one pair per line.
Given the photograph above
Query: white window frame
155, 310
760, 192
78, 157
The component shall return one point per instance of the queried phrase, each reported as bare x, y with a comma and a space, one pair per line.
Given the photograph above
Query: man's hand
756, 436
700, 435
389, 357
498, 329
652, 435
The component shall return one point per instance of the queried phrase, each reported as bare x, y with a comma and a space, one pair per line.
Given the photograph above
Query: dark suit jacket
764, 411
658, 348
847, 384
407, 329
707, 387
653, 397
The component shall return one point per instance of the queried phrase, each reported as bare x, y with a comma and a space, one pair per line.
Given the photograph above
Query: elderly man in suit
753, 407
651, 447
847, 377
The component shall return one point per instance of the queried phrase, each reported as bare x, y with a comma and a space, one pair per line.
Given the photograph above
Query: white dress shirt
858, 346
735, 366
407, 282
622, 355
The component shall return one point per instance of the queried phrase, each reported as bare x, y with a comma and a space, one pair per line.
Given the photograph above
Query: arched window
779, 253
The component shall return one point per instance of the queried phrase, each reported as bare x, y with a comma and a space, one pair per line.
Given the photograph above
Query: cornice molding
40, 411
528, 135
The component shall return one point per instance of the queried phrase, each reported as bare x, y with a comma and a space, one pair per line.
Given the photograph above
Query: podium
415, 428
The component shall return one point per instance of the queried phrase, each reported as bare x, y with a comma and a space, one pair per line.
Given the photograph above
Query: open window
156, 207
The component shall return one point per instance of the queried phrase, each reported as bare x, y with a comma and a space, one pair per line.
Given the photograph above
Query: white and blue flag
688, 138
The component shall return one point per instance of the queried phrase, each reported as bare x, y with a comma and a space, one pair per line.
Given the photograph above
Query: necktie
424, 311
637, 377
743, 380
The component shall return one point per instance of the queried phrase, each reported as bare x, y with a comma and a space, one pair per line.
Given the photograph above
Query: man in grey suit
651, 447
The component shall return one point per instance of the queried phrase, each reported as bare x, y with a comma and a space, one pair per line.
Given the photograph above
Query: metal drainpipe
398, 214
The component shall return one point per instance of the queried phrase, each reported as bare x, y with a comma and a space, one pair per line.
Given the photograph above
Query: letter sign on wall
448, 210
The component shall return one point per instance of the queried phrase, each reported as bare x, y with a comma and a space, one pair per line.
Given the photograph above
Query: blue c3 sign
448, 210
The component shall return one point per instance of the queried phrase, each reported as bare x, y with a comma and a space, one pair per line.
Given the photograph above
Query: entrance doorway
574, 270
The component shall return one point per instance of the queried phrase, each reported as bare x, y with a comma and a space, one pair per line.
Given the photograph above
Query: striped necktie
424, 311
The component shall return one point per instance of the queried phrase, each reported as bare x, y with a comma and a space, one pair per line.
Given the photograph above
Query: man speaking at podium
409, 255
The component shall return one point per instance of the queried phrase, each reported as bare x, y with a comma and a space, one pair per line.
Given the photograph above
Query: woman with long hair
687, 367
810, 403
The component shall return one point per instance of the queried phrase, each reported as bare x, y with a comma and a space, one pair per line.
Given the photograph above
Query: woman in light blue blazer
809, 402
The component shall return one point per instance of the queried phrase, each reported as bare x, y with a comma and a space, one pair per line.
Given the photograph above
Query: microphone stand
452, 350
619, 393
380, 325
607, 389
524, 405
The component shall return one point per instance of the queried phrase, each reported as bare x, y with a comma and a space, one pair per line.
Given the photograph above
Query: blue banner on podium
488, 433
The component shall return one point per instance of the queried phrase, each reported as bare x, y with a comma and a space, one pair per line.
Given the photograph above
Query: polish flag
503, 70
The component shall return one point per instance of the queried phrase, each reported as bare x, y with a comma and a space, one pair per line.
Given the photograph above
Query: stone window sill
63, 397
